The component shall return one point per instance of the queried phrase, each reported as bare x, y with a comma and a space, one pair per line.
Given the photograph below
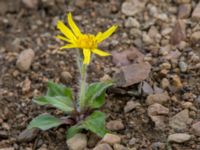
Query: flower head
87, 42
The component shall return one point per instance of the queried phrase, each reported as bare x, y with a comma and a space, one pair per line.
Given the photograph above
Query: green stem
83, 86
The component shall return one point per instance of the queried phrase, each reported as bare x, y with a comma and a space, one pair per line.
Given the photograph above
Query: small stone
66, 77
3, 134
183, 66
103, 146
132, 141
184, 11
157, 109
196, 12
178, 33
25, 59
132, 7
187, 105
159, 121
147, 89
93, 140
130, 105
5, 126
146, 38
179, 137
8, 148
177, 81
158, 146
77, 142
80, 3
196, 128
115, 125
180, 120
30, 3
165, 83
119, 147
28, 135
195, 37
132, 22
157, 98
26, 85
182, 1
111, 139
105, 78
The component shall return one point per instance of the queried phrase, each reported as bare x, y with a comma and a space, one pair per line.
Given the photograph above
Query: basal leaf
45, 122
73, 130
95, 94
61, 102
55, 89
95, 123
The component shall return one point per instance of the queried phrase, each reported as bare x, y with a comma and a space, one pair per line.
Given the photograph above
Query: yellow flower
87, 42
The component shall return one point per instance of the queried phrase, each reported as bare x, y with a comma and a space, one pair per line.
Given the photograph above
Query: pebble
196, 12
77, 142
165, 83
184, 11
25, 59
28, 135
179, 137
132, 7
196, 128
8, 148
183, 66
119, 147
66, 77
3, 134
147, 89
195, 37
30, 3
111, 139
177, 81
130, 105
187, 105
26, 85
103, 146
132, 141
157, 98
132, 22
178, 33
180, 120
158, 146
93, 140
157, 109
115, 125
156, 112
182, 1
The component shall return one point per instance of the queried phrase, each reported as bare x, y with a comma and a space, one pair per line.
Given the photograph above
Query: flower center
87, 41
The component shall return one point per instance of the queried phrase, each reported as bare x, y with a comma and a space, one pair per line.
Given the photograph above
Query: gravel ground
156, 59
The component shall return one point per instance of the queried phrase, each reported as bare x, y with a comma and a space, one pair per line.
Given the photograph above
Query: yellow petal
73, 26
63, 38
106, 34
100, 52
86, 54
68, 46
65, 30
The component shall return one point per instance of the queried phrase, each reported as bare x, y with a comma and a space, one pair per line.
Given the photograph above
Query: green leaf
95, 123
61, 102
95, 94
45, 122
73, 130
59, 90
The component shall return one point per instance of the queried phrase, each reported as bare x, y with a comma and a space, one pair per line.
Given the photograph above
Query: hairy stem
83, 86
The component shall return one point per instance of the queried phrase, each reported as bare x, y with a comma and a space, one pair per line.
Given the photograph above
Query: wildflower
87, 42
